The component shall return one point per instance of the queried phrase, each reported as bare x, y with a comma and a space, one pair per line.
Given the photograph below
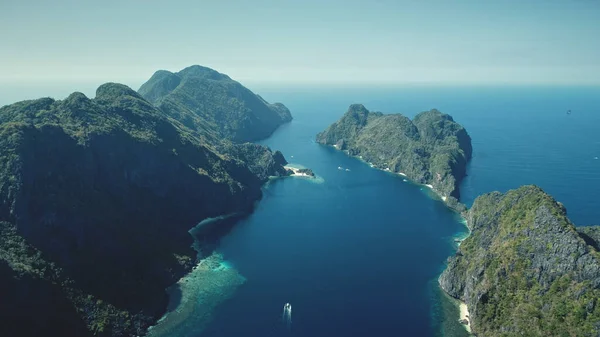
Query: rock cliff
430, 149
96, 200
214, 104
525, 270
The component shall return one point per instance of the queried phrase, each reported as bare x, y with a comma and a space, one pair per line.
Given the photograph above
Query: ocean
357, 252
521, 135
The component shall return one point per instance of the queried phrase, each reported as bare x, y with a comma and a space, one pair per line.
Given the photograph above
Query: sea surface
357, 251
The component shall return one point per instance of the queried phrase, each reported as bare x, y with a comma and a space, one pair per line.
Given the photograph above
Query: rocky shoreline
451, 202
65, 163
431, 150
525, 269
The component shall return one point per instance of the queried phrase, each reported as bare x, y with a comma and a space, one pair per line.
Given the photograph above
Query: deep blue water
354, 254
358, 254
521, 135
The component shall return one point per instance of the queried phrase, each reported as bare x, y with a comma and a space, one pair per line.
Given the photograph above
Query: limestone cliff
213, 104
430, 149
96, 200
525, 270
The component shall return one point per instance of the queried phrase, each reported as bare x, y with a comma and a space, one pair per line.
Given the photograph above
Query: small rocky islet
303, 172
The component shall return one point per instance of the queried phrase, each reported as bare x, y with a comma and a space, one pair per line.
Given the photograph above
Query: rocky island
526, 270
97, 196
212, 103
431, 149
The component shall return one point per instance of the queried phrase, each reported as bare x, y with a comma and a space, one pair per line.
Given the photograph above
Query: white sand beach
296, 172
464, 315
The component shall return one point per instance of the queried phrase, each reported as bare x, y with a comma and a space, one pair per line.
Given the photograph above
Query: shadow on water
193, 299
208, 233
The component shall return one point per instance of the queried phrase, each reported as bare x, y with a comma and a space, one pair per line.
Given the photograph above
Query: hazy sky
303, 41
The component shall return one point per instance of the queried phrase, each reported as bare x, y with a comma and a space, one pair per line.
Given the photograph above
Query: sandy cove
296, 172
464, 316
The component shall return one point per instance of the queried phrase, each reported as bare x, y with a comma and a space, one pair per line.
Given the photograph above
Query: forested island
431, 149
97, 196
212, 103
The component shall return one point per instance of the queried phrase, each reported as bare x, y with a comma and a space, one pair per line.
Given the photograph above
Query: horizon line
135, 83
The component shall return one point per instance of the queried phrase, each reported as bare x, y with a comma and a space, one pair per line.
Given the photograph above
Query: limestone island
526, 270
432, 149
161, 161
214, 104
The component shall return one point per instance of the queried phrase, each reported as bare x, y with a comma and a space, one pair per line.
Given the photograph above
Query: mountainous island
526, 270
431, 149
97, 196
208, 101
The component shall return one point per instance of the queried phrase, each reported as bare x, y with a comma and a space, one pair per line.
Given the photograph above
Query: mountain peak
111, 91
357, 107
212, 103
77, 96
204, 72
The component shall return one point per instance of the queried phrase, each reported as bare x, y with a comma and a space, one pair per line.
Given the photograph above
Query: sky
303, 41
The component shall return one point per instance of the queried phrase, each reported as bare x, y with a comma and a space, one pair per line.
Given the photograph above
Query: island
432, 149
213, 104
97, 196
526, 270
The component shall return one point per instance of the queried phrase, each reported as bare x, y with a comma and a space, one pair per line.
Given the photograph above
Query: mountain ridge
210, 102
96, 200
